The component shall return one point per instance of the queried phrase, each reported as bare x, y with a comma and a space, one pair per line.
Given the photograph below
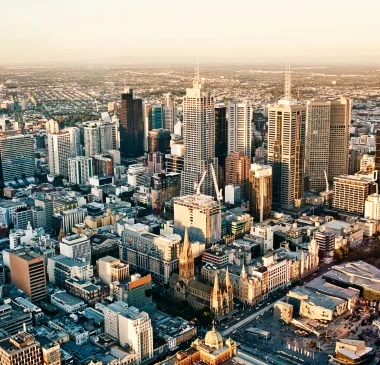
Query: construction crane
327, 182
197, 185
219, 194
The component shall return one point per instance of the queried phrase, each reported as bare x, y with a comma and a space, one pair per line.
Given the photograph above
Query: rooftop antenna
288, 82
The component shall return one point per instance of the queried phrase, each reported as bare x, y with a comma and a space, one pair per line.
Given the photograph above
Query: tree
338, 255
75, 187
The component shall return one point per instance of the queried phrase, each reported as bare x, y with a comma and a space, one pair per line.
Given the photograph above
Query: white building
67, 302
240, 118
130, 326
372, 207
199, 138
80, 169
136, 175
76, 246
266, 232
232, 194
60, 150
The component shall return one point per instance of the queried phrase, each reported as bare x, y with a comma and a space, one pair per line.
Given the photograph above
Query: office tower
76, 246
114, 155
16, 159
159, 140
169, 112
260, 192
40, 141
67, 219
285, 150
80, 169
232, 195
351, 191
221, 133
317, 143
164, 187
237, 172
201, 215
156, 117
174, 163
20, 349
340, 120
130, 327
240, 117
131, 125
199, 138
60, 150
28, 273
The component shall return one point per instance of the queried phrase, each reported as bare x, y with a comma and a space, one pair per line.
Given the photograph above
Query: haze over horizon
179, 32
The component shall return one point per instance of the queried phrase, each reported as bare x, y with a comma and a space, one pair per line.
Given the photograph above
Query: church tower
216, 298
186, 261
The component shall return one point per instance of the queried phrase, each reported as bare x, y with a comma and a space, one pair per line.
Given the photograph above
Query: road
249, 318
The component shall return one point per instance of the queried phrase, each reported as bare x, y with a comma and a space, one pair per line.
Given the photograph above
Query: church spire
243, 272
216, 283
187, 251
186, 260
228, 280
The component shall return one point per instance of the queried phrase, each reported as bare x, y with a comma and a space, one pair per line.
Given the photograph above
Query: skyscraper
131, 125
221, 133
169, 113
16, 158
81, 168
60, 150
156, 116
285, 150
317, 143
260, 192
240, 117
199, 138
237, 172
340, 120
91, 140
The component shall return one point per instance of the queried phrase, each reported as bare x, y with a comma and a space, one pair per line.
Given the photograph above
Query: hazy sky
182, 30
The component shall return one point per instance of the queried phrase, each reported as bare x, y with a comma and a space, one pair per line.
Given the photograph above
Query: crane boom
327, 181
198, 185
219, 195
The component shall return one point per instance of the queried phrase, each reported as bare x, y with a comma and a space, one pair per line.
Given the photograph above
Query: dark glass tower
131, 126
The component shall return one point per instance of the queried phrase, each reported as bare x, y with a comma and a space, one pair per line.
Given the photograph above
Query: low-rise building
67, 302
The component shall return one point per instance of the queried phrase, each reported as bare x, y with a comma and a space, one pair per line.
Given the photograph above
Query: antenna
197, 76
288, 82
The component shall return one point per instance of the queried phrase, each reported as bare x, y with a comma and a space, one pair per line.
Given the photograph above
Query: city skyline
218, 32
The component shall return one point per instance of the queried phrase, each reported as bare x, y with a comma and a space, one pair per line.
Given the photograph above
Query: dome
214, 339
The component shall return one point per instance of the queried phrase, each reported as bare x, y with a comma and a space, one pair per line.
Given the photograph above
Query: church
184, 286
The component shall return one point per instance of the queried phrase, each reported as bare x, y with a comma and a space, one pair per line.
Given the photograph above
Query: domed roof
214, 339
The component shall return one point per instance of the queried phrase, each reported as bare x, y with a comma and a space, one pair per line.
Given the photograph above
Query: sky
182, 30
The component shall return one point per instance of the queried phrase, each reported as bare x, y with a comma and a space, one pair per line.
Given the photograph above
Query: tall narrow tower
199, 137
186, 260
286, 121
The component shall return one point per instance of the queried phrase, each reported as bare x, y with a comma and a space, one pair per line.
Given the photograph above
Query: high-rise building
164, 187
20, 349
260, 192
340, 120
240, 118
237, 172
158, 140
317, 143
372, 207
286, 120
201, 215
91, 140
75, 141
169, 113
377, 153
147, 116
156, 163
28, 273
102, 165
351, 191
131, 125
199, 138
16, 158
80, 169
51, 352
156, 117
60, 150
221, 133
